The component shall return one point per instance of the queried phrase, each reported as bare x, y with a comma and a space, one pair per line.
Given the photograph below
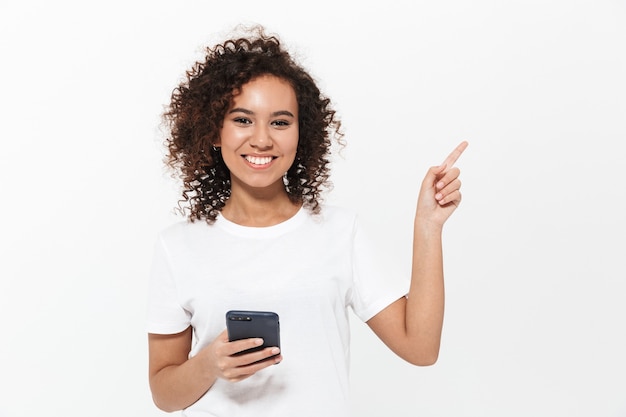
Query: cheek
294, 147
230, 138
292, 152
292, 143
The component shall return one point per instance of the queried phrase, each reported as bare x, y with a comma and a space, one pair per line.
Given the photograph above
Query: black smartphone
242, 324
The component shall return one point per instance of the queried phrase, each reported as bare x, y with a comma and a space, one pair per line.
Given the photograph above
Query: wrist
427, 227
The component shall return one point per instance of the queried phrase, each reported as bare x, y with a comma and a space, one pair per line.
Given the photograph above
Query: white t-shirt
308, 269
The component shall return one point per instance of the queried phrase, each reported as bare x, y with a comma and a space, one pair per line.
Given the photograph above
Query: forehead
266, 90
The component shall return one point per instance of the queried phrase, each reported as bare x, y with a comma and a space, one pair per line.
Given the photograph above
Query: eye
280, 123
242, 120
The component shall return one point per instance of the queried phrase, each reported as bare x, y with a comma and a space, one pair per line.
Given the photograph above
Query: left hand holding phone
223, 358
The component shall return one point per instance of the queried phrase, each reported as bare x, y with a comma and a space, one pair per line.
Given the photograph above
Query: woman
250, 137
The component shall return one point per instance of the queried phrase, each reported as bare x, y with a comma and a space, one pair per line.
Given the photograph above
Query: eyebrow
250, 112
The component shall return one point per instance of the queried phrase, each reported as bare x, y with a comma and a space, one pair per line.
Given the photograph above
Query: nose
261, 138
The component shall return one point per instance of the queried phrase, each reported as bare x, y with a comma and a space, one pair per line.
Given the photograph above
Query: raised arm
411, 326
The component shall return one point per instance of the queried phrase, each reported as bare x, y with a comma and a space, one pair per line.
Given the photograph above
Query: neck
259, 208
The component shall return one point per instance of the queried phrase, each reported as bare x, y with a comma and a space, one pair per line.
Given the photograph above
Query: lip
259, 161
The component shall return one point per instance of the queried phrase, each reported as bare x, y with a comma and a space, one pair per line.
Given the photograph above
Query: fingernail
438, 196
275, 351
440, 184
258, 342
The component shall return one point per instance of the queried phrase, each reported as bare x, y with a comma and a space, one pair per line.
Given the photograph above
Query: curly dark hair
198, 107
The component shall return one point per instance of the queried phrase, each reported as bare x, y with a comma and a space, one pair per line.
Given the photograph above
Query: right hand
221, 356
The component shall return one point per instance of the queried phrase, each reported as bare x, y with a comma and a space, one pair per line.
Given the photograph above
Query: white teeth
259, 160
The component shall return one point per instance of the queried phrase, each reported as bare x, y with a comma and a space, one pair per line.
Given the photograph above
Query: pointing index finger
451, 159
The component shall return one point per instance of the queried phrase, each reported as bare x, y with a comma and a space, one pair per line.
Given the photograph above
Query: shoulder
335, 217
338, 211
184, 230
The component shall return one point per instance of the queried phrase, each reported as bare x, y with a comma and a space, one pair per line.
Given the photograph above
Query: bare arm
177, 381
412, 326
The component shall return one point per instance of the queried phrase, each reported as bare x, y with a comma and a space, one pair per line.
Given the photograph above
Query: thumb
434, 173
223, 336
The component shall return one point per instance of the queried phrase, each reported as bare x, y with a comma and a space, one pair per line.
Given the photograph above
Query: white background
536, 319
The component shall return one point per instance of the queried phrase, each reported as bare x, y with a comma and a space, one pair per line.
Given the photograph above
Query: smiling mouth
258, 160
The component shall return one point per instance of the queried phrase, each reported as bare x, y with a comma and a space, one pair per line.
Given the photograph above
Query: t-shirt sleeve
165, 314
374, 286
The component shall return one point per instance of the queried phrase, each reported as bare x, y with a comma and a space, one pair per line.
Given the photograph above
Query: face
259, 136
